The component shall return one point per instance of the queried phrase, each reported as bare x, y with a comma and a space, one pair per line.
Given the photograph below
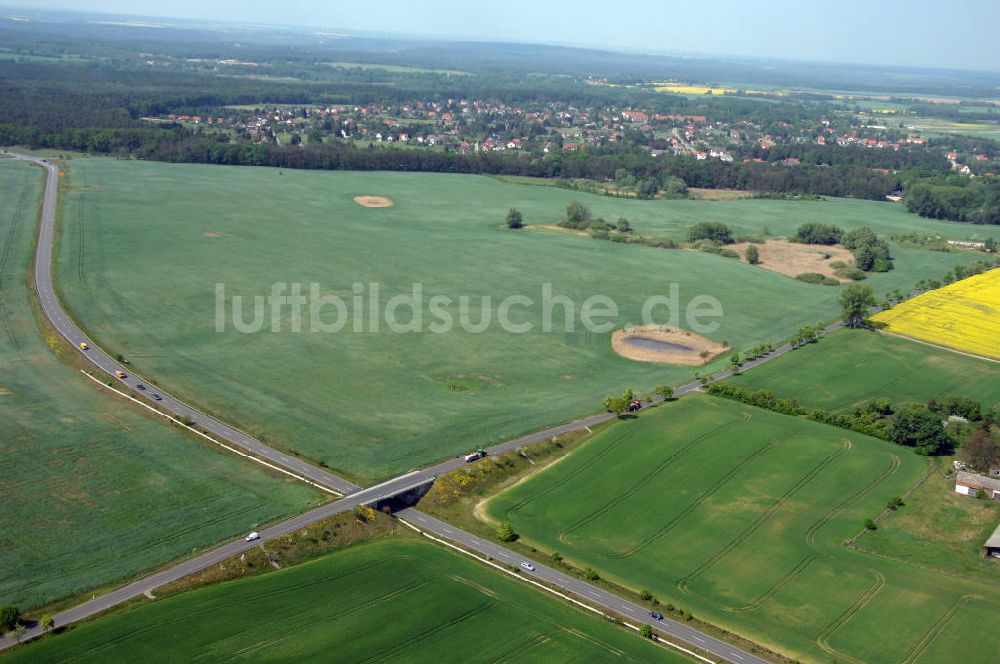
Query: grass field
389, 601
851, 366
93, 492
144, 245
738, 515
939, 528
964, 315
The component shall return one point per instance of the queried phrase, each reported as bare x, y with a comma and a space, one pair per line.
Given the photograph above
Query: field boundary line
546, 588
210, 439
947, 348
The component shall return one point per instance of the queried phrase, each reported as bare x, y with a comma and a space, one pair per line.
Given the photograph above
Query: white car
252, 536
528, 566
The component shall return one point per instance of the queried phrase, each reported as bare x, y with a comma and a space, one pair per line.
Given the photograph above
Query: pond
653, 344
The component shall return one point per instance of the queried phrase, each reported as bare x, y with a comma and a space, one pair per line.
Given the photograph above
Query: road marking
698, 638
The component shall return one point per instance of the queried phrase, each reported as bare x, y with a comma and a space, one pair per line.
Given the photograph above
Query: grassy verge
938, 528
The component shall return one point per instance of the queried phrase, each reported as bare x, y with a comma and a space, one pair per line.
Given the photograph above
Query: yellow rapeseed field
964, 315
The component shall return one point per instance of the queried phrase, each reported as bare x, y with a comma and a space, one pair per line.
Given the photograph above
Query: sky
959, 34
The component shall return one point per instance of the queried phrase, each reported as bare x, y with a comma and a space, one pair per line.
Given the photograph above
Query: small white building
970, 484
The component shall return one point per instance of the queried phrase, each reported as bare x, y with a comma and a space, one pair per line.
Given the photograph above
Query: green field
401, 600
93, 492
852, 366
144, 245
939, 528
739, 515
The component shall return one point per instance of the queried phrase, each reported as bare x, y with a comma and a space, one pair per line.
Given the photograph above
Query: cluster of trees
956, 198
818, 234
712, 231
870, 253
620, 405
910, 425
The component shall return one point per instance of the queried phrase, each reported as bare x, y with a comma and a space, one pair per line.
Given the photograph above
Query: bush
515, 219
852, 273
646, 631
870, 525
818, 234
591, 574
965, 407
710, 230
753, 256
9, 617
505, 532
577, 216
646, 596
817, 278
915, 426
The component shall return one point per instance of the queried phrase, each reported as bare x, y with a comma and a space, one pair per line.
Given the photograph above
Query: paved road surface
587, 592
352, 494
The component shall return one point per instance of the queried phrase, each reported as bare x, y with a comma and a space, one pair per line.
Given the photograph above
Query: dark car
656, 615
157, 397
140, 386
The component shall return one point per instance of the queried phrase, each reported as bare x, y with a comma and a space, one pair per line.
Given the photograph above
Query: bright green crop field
739, 515
851, 366
386, 601
144, 245
91, 491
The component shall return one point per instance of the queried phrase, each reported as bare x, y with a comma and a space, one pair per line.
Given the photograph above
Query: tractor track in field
863, 600
762, 518
549, 488
564, 535
81, 252
894, 463
766, 596
697, 502
12, 233
921, 647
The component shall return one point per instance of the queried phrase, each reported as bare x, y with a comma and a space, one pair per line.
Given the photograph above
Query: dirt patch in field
793, 259
666, 345
718, 194
210, 234
552, 228
4, 392
373, 201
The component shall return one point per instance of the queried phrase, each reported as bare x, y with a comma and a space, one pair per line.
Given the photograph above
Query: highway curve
351, 494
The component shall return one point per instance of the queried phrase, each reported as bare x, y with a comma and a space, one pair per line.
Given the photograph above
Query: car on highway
528, 566
252, 536
140, 386
83, 345
656, 615
157, 397
121, 374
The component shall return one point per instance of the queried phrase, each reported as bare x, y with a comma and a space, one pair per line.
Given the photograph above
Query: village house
970, 484
635, 116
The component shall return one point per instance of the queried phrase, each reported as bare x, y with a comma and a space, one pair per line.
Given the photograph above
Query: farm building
992, 545
970, 484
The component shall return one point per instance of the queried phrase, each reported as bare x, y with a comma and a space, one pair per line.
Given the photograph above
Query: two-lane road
68, 329
352, 494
